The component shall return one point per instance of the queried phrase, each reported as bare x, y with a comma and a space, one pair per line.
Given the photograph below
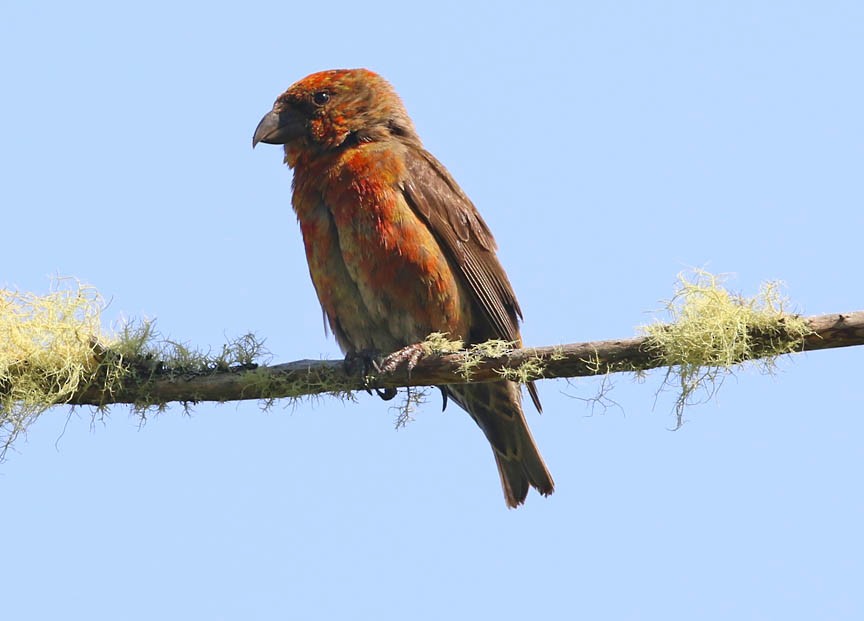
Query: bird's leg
364, 362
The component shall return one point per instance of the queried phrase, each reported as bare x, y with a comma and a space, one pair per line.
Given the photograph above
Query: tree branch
311, 377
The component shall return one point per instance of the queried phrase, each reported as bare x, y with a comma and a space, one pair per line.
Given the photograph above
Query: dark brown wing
453, 219
451, 216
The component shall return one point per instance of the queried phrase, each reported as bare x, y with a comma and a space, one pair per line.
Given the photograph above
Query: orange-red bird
396, 249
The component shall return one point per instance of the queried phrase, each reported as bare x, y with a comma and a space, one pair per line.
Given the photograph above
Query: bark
310, 377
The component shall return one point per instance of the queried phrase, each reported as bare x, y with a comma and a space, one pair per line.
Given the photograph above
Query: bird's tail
497, 408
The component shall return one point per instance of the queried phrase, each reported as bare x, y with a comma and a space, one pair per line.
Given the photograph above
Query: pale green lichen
138, 352
712, 330
438, 343
557, 353
531, 369
49, 348
474, 355
53, 347
319, 380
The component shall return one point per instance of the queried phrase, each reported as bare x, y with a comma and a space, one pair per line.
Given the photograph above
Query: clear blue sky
608, 145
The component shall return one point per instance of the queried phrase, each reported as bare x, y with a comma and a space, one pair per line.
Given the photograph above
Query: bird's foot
407, 356
365, 362
410, 356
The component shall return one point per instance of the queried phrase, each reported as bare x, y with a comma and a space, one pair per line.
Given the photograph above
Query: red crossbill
396, 250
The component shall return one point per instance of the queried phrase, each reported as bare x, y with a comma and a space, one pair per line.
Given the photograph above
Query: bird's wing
466, 240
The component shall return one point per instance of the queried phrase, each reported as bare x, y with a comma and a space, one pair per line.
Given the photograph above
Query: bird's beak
279, 128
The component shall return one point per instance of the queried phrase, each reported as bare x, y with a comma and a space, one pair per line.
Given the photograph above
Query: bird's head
333, 109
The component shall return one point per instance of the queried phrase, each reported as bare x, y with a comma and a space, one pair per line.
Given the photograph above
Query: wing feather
432, 192
456, 223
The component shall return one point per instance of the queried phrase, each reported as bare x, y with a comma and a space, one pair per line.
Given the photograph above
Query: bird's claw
408, 356
365, 362
386, 394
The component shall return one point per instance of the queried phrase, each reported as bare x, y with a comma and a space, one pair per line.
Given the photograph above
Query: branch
311, 377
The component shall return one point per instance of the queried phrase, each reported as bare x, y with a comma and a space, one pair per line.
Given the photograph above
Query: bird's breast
364, 241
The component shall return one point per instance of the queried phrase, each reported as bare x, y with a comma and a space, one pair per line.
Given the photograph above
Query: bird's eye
320, 98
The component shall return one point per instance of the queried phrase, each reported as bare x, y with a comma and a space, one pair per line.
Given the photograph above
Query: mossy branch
52, 352
314, 377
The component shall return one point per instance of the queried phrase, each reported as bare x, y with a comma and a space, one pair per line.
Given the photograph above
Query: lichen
50, 346
474, 355
711, 330
438, 343
53, 347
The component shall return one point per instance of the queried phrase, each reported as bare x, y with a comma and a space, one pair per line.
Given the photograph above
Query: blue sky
608, 146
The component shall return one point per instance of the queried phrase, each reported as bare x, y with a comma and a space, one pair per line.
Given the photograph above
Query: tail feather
496, 407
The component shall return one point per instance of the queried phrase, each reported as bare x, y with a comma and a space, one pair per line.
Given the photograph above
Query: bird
396, 249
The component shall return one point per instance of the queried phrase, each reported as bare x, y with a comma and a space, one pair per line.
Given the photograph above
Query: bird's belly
383, 282
407, 286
